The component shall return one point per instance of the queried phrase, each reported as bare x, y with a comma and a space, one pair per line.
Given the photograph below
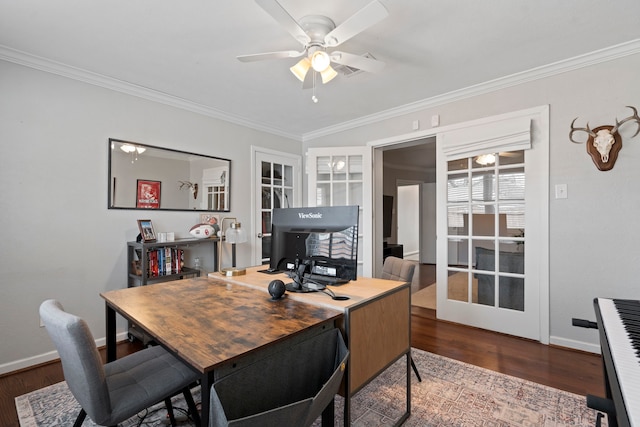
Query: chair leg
81, 416
415, 369
193, 409
169, 406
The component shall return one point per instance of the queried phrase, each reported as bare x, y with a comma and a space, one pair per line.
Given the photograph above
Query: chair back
81, 362
398, 269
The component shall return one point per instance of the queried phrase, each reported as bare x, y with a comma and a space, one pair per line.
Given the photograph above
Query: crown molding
603, 55
58, 68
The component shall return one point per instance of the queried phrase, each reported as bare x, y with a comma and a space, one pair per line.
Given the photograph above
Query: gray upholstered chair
118, 390
400, 269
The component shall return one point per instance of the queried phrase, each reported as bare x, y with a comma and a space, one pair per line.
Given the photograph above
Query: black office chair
399, 269
114, 392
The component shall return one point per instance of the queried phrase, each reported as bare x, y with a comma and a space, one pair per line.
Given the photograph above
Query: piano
618, 323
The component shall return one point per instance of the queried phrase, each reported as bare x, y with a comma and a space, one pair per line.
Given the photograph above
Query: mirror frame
171, 152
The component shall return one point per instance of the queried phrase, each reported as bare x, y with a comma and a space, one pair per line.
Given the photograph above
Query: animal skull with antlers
191, 185
604, 142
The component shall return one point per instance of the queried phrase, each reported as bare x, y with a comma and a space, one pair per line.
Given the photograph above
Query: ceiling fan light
320, 61
328, 75
301, 68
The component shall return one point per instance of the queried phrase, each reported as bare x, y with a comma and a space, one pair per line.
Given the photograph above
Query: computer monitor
317, 241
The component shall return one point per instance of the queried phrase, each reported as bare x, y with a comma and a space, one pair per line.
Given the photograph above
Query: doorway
408, 179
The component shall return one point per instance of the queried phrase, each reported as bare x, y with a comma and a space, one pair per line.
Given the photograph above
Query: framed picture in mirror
148, 194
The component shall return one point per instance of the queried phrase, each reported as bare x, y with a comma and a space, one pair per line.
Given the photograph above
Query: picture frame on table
147, 232
148, 194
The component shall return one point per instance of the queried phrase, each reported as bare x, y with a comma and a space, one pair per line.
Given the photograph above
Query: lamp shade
328, 74
301, 68
235, 233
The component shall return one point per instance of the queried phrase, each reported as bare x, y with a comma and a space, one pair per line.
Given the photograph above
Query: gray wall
58, 239
594, 232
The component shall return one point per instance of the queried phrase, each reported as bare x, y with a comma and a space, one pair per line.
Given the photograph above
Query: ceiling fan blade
270, 55
356, 61
369, 15
279, 13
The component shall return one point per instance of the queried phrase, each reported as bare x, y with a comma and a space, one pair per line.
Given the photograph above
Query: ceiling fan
317, 34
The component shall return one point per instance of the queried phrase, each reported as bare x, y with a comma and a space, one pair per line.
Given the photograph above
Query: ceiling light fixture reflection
486, 159
128, 148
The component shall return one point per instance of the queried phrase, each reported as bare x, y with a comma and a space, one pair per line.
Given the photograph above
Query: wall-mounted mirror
146, 177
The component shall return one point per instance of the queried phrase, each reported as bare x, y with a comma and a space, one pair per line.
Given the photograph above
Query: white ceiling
186, 50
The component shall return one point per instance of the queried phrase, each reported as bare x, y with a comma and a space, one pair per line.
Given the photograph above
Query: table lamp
233, 234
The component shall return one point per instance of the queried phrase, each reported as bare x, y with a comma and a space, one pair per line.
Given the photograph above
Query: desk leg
347, 396
205, 394
111, 333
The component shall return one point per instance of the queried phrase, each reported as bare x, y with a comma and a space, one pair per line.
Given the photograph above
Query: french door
277, 183
339, 176
492, 224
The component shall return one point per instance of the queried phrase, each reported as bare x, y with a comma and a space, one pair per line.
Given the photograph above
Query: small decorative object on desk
147, 232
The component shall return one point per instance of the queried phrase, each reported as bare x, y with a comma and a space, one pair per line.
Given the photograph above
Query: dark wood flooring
570, 370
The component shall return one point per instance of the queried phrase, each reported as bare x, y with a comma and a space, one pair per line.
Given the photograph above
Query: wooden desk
376, 325
216, 327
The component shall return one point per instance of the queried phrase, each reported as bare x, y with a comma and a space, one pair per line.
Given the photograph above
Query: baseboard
576, 345
18, 365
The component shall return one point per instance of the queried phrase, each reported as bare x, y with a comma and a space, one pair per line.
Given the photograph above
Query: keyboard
618, 322
325, 280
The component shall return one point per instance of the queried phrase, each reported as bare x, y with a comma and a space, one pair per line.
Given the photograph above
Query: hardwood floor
565, 369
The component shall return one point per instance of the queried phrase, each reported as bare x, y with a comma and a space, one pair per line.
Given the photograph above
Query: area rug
451, 393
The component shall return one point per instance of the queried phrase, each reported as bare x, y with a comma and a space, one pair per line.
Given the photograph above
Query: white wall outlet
435, 120
416, 124
561, 191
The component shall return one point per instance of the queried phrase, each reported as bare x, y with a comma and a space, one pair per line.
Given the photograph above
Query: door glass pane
486, 288
457, 219
483, 186
323, 168
456, 165
339, 167
323, 194
355, 168
458, 252
266, 197
511, 292
458, 188
511, 158
355, 193
458, 285
511, 184
483, 220
339, 194
483, 253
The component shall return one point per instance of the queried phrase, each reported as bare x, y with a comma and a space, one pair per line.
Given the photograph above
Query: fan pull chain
314, 98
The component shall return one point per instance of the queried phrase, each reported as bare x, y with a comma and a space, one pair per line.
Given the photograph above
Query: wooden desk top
359, 291
209, 322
